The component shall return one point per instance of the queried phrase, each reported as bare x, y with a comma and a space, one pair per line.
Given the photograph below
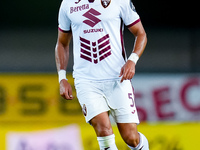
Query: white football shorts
112, 96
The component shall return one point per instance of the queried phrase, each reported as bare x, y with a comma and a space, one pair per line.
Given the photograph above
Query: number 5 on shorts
130, 96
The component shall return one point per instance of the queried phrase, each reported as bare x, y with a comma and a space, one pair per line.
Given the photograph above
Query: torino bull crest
105, 3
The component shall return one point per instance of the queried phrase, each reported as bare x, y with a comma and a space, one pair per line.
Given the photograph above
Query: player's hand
66, 90
127, 71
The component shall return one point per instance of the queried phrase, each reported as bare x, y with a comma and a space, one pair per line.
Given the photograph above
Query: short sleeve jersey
97, 28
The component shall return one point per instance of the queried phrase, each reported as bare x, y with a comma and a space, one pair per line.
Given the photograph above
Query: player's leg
134, 139
102, 126
126, 117
95, 110
129, 133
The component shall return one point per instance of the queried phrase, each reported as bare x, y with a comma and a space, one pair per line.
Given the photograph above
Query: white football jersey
97, 28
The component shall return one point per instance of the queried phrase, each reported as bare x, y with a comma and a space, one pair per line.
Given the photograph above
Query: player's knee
132, 139
104, 131
101, 124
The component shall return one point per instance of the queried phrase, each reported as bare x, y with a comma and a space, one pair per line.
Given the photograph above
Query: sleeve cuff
65, 31
132, 24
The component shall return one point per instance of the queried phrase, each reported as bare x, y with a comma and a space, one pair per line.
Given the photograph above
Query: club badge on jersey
105, 3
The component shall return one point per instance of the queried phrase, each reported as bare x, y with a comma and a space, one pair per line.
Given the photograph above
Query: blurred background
167, 80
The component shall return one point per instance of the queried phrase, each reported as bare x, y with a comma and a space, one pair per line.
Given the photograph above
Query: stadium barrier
65, 138
32, 102
158, 98
36, 98
167, 97
174, 136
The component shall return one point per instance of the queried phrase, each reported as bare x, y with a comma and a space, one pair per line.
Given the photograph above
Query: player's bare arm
128, 70
62, 57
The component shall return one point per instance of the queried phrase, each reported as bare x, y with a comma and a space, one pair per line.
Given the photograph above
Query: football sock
143, 145
107, 142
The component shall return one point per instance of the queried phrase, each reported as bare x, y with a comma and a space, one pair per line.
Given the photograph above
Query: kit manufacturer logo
92, 20
96, 51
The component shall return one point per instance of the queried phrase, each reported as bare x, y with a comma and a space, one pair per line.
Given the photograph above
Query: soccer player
101, 70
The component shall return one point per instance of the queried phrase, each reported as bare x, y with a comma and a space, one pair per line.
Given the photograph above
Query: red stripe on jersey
64, 30
130, 25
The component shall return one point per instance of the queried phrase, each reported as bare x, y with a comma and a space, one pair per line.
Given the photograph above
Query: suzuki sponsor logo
91, 16
95, 51
93, 30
